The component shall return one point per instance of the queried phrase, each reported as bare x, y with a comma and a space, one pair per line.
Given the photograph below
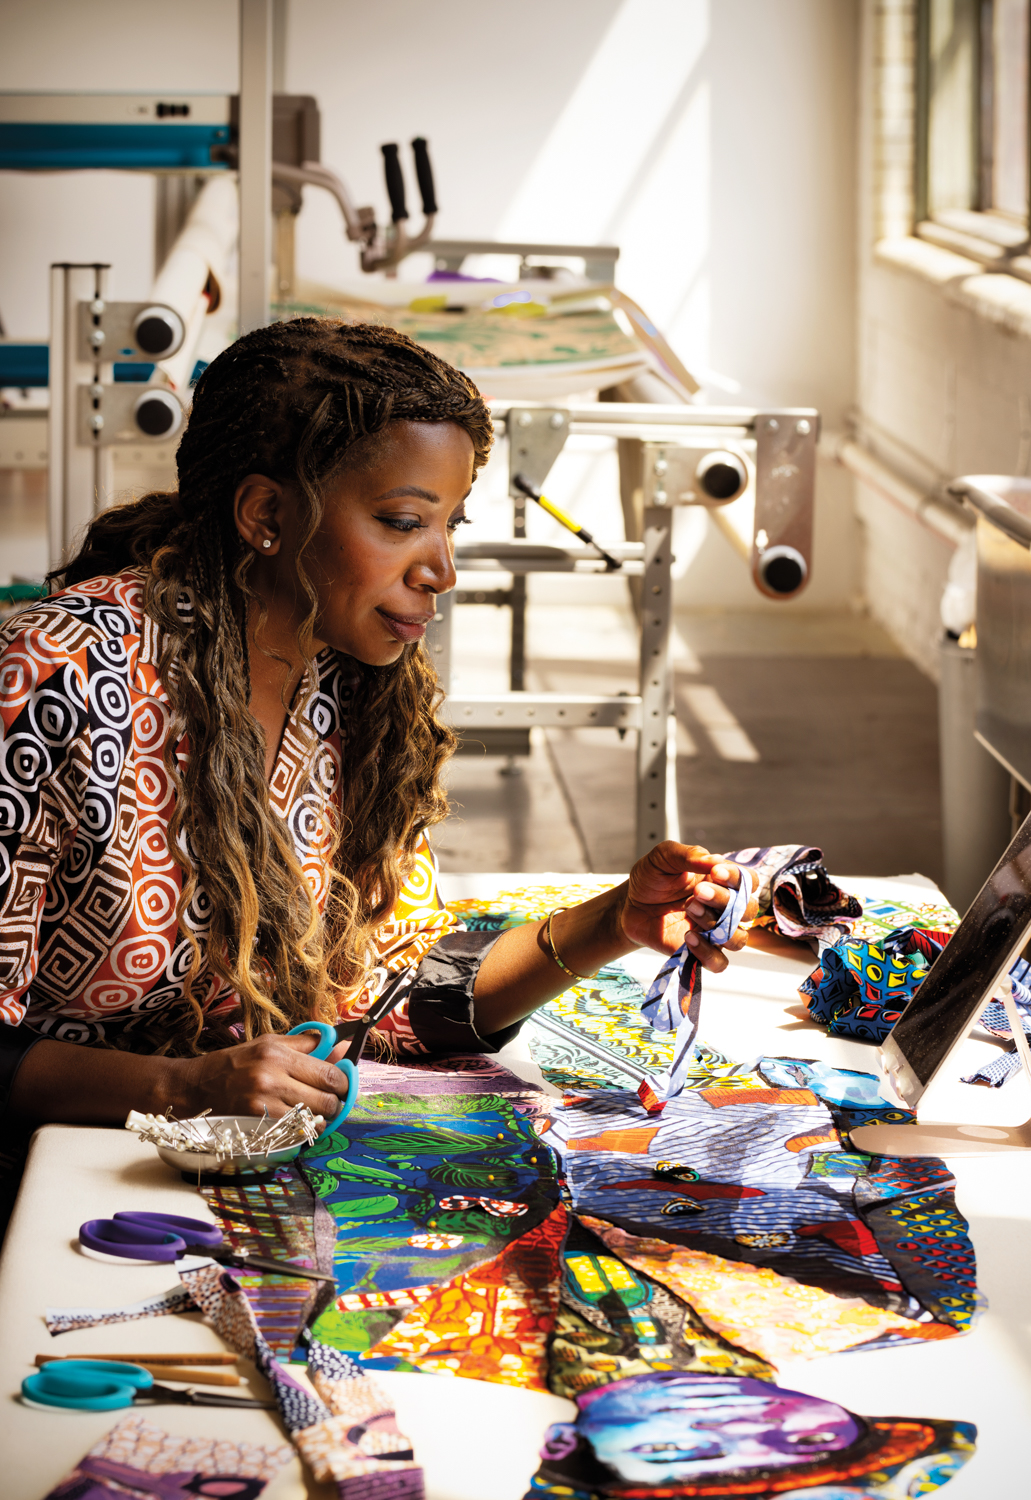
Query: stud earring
266, 543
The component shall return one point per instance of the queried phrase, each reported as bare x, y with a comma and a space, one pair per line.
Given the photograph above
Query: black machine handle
424, 172
395, 182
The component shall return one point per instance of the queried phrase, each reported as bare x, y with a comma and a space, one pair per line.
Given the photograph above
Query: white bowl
208, 1164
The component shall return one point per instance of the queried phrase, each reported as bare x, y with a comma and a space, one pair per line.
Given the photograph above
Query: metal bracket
128, 331
536, 437
108, 415
785, 476
701, 475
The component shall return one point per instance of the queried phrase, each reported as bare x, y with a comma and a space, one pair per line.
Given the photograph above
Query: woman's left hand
675, 894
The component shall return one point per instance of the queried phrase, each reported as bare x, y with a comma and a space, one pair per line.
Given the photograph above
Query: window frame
983, 233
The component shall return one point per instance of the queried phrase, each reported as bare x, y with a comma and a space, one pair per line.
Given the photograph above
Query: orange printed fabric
492, 1323
757, 1309
91, 949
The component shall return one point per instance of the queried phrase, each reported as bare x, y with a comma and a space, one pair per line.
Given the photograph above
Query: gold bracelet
554, 951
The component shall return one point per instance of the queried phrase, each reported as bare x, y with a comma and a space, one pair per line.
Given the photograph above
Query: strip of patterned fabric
138, 1459
65, 1319
674, 1000
346, 1433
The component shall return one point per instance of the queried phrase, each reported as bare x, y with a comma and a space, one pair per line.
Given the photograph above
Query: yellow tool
525, 487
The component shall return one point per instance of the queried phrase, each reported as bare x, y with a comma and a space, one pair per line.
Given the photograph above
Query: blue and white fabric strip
673, 1001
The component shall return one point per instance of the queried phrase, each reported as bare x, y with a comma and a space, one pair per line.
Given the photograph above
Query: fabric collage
654, 1268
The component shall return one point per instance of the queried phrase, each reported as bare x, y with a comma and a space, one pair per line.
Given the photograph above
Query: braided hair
289, 401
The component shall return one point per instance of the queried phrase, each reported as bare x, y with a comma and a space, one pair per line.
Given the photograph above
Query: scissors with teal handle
109, 1385
357, 1034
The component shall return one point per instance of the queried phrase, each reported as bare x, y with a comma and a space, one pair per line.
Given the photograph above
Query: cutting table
477, 1441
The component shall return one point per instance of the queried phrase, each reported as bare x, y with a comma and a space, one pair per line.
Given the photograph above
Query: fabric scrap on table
863, 986
359, 1444
278, 1217
762, 1177
491, 1323
364, 1466
796, 895
683, 1434
138, 1459
754, 1308
614, 1322
393, 1179
64, 1319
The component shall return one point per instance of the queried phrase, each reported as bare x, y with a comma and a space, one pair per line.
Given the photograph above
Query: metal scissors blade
267, 1263
168, 1395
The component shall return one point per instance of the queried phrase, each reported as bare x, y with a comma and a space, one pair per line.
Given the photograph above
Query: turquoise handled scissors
358, 1035
108, 1385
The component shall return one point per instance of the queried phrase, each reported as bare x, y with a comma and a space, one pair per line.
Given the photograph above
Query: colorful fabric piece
614, 1322
359, 1445
683, 1434
492, 1323
91, 949
375, 1464
797, 896
757, 1309
138, 1459
389, 1179
65, 1319
863, 986
762, 1177
673, 1004
277, 1217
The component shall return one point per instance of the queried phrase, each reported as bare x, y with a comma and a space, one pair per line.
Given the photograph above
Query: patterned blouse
90, 947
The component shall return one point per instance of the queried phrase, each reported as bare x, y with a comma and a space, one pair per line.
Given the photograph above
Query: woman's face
385, 548
383, 551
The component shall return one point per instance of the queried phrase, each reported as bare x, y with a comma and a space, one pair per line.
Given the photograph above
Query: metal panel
79, 475
656, 679
438, 639
785, 477
549, 710
255, 161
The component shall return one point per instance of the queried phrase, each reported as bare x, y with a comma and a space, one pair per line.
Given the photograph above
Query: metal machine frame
780, 450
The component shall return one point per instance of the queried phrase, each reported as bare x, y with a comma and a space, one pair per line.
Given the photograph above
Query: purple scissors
166, 1237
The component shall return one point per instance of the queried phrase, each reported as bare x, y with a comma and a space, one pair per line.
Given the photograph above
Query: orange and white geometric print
90, 946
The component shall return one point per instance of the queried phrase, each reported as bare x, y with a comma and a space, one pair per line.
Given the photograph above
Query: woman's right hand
270, 1072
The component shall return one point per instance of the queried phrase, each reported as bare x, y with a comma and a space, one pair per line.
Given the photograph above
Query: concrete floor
791, 728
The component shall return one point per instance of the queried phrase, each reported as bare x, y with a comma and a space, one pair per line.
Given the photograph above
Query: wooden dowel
190, 1374
147, 1359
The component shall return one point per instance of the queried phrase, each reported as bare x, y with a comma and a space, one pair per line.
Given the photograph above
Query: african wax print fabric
90, 945
423, 1188
137, 1459
673, 1004
669, 1434
615, 1321
66, 1319
275, 1215
796, 895
863, 986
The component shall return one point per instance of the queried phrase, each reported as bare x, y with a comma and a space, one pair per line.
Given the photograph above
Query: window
973, 159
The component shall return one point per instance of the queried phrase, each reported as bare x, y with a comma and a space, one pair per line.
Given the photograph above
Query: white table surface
478, 1441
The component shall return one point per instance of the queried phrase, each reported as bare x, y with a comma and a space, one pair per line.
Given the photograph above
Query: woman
220, 757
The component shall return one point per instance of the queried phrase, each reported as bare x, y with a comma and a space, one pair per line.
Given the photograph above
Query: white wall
945, 353
713, 140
